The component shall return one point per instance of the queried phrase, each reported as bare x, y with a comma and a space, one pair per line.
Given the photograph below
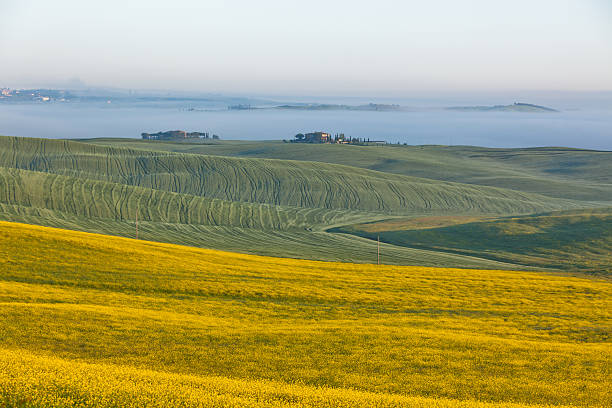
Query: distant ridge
515, 107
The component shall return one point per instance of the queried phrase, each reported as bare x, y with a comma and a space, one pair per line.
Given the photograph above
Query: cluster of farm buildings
338, 138
313, 137
178, 135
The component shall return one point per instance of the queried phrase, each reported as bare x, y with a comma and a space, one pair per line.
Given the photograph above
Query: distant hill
318, 106
382, 107
515, 107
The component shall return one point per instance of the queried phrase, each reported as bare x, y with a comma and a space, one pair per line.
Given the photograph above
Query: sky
315, 46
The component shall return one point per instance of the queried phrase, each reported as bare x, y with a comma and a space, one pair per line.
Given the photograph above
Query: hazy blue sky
330, 46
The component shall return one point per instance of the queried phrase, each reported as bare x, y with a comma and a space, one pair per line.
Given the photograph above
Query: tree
299, 136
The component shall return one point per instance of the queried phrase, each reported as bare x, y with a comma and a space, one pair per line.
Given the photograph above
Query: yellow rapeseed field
90, 320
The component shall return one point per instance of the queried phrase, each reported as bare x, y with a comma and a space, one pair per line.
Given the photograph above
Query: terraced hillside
552, 171
572, 241
93, 320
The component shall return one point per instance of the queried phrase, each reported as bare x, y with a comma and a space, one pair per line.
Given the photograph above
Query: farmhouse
317, 137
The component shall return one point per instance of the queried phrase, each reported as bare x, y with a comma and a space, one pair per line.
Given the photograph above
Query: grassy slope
110, 208
269, 207
100, 199
94, 319
291, 244
575, 240
556, 172
278, 182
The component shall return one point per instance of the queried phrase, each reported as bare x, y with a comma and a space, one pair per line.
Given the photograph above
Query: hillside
281, 243
90, 199
277, 182
572, 241
555, 172
85, 204
89, 319
259, 206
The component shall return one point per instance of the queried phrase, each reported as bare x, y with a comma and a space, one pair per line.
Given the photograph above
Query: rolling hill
250, 205
572, 241
278, 182
90, 204
94, 320
101, 199
552, 171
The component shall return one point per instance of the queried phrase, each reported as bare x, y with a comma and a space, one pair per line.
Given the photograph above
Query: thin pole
136, 222
378, 251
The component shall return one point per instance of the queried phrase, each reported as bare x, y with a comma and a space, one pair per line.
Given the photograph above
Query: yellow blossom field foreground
42, 381
90, 320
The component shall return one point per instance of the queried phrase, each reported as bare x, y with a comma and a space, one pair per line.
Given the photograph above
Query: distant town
34, 95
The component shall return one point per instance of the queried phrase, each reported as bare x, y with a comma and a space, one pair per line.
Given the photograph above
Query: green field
110, 208
573, 241
553, 171
198, 195
92, 320
278, 182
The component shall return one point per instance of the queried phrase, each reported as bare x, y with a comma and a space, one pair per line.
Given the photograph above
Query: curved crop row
298, 244
101, 199
277, 182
